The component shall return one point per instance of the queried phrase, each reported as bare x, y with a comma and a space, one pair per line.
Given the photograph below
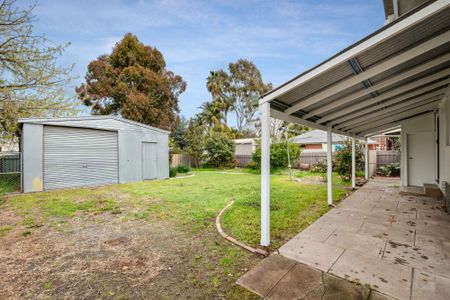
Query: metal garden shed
89, 151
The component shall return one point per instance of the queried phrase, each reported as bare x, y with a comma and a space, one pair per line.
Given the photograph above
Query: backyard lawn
153, 239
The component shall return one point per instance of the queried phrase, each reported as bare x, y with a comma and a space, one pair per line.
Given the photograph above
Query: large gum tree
133, 82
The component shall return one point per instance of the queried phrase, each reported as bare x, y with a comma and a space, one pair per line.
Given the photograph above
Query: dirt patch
110, 256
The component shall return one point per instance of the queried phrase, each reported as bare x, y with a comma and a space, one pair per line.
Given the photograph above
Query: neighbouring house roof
96, 122
320, 137
396, 73
245, 141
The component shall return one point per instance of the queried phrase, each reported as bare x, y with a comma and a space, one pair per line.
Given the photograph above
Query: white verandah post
366, 159
265, 173
353, 163
329, 166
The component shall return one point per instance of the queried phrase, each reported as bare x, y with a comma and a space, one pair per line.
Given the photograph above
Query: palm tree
211, 113
218, 85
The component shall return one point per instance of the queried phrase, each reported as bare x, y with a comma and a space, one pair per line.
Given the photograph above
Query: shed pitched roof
69, 121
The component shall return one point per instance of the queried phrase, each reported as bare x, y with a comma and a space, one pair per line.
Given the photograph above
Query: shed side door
76, 157
149, 156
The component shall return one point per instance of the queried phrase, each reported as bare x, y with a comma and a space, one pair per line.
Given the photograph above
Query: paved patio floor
398, 245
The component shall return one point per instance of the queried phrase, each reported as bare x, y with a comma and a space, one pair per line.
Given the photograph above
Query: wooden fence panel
385, 157
311, 158
183, 159
242, 160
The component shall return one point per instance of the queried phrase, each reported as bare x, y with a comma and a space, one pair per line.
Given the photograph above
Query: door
76, 157
149, 160
420, 158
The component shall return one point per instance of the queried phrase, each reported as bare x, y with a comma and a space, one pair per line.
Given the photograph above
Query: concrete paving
397, 244
277, 277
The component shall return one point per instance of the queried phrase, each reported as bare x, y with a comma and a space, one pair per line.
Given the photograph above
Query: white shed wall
130, 155
130, 138
32, 146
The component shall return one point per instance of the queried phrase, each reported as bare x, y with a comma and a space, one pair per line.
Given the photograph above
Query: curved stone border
181, 177
233, 240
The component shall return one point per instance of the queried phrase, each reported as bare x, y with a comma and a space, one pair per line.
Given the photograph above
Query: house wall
313, 147
425, 123
333, 147
444, 140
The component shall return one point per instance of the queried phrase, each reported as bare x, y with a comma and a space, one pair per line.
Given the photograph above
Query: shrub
278, 155
252, 165
319, 167
172, 172
343, 160
219, 150
392, 169
183, 169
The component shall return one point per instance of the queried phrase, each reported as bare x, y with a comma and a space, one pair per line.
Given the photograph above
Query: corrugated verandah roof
398, 72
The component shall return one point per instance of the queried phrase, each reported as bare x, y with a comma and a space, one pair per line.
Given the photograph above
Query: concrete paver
427, 286
357, 242
423, 259
262, 278
395, 243
316, 254
392, 279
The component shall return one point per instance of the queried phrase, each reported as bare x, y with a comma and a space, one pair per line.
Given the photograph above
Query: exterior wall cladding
131, 135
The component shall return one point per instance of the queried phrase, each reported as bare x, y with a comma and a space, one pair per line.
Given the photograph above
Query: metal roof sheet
96, 122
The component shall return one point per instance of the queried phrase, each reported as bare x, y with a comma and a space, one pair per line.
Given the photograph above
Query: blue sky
283, 38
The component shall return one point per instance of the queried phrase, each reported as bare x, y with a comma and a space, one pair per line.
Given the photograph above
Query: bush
390, 170
319, 167
252, 165
172, 172
278, 155
219, 148
343, 160
183, 169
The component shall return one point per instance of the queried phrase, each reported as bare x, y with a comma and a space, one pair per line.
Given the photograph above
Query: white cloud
283, 37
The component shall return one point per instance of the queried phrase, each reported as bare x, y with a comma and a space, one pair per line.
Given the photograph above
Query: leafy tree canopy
133, 82
234, 91
31, 82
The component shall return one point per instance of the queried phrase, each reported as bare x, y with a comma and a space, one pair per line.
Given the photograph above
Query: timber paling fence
385, 157
242, 160
377, 158
10, 172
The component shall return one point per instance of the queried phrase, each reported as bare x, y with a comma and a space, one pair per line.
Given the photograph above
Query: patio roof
396, 73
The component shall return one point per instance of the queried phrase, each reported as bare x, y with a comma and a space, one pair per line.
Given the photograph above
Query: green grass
337, 180
293, 207
9, 183
4, 230
191, 205
63, 203
194, 202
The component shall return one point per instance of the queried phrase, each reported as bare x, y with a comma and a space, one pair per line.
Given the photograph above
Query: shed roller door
79, 157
